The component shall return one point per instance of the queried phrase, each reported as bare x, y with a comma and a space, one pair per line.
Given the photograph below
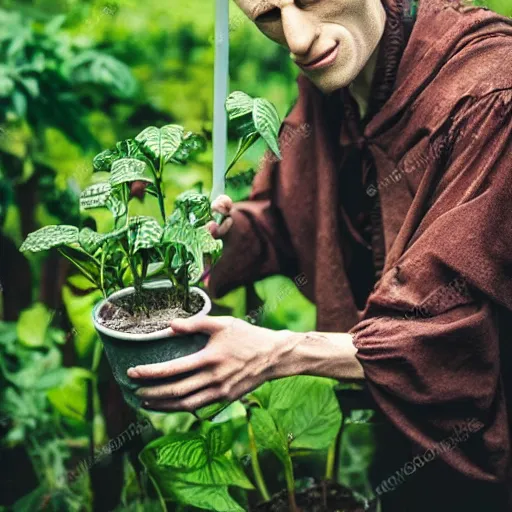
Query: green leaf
145, 233
161, 142
239, 104
219, 437
205, 497
184, 451
197, 241
79, 308
267, 434
6, 86
191, 145
90, 240
129, 148
49, 237
70, 398
195, 207
306, 410
243, 145
32, 325
221, 470
103, 162
116, 206
266, 120
126, 170
95, 196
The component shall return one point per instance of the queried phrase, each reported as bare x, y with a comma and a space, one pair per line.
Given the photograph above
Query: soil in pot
164, 305
322, 497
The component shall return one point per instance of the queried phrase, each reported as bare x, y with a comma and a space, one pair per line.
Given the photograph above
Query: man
398, 209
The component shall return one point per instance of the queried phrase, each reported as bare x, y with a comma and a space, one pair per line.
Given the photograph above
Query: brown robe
402, 225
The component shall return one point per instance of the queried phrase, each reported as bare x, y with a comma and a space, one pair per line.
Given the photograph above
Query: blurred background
75, 77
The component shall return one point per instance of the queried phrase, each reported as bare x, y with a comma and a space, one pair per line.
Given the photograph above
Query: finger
213, 228
192, 403
223, 229
205, 324
222, 204
177, 390
169, 368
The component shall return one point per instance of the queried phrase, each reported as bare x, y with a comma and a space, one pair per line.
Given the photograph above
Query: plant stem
290, 484
255, 463
161, 204
331, 457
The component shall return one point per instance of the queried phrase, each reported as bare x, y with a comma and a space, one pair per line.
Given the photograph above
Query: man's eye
271, 15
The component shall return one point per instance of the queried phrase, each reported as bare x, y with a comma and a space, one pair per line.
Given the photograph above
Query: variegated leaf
266, 120
197, 241
90, 240
126, 170
129, 148
191, 144
115, 205
238, 104
161, 142
95, 196
103, 162
194, 206
145, 233
48, 237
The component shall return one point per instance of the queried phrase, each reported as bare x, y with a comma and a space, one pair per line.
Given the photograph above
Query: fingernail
132, 372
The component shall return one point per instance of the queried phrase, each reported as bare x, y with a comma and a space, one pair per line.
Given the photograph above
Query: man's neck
360, 88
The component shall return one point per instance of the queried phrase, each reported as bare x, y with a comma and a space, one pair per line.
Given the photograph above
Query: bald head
330, 40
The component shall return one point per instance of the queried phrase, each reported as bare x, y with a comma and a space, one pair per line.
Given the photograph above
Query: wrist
330, 355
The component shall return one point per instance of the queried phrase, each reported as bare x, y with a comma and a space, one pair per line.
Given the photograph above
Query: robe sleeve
258, 244
429, 342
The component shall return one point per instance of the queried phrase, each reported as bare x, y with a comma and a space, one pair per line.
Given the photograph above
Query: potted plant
147, 268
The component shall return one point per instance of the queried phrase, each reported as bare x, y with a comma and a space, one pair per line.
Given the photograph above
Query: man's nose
300, 30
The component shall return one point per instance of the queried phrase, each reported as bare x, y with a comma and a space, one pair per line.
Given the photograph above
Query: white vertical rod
220, 92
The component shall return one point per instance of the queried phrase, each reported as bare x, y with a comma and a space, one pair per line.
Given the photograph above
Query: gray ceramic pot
125, 350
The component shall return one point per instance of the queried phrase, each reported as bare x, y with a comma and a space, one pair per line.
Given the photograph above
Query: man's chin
327, 86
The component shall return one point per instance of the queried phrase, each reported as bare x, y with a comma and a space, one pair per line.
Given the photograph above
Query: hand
238, 358
223, 205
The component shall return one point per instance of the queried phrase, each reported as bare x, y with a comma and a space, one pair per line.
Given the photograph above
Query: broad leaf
129, 148
116, 206
49, 237
205, 497
266, 120
239, 104
95, 196
145, 233
191, 145
219, 437
306, 410
185, 451
90, 240
103, 162
198, 242
126, 170
268, 435
161, 143
33, 324
195, 207
221, 470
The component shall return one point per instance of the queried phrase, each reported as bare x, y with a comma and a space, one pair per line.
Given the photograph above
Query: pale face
330, 40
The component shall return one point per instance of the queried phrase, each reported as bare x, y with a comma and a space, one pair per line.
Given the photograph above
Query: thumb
205, 324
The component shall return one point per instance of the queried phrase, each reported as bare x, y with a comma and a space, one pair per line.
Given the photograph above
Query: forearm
321, 354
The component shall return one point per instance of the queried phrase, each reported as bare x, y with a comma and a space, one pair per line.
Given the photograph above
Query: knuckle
225, 391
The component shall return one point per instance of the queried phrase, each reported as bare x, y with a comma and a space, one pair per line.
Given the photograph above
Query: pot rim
152, 336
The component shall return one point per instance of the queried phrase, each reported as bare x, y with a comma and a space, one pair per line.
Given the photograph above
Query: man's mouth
323, 60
